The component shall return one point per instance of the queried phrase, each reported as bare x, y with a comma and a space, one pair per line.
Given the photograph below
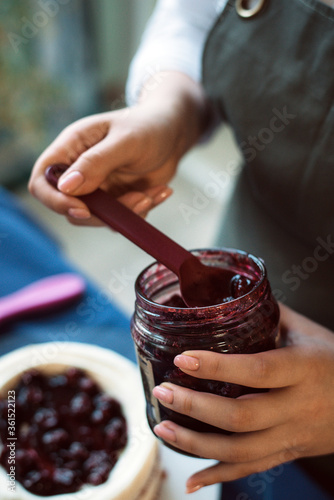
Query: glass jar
247, 324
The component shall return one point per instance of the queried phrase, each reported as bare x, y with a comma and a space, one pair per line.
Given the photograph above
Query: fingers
65, 205
142, 202
287, 422
88, 150
158, 194
270, 369
66, 148
223, 472
106, 143
248, 413
233, 449
90, 170
100, 152
90, 160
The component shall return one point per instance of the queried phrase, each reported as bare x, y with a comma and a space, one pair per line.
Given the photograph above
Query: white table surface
178, 468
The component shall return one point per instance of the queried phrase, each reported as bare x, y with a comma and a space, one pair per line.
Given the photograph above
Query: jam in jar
163, 327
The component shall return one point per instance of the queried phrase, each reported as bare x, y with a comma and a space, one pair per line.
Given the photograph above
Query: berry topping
232, 287
68, 432
240, 285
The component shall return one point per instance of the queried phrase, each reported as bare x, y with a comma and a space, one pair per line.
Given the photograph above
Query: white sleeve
173, 40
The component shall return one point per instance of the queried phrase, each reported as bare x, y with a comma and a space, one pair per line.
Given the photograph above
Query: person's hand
131, 153
113, 151
294, 419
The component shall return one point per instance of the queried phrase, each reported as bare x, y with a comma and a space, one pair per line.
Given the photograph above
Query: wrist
181, 103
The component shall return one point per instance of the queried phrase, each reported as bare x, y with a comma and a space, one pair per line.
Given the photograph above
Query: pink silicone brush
42, 295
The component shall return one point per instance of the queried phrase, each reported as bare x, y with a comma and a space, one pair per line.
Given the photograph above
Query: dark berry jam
234, 286
69, 432
162, 326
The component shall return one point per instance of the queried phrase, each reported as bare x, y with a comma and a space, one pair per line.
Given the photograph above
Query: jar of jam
163, 326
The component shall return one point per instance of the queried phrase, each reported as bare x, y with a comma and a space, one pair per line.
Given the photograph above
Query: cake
136, 474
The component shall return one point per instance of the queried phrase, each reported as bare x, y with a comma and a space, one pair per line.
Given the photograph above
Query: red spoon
200, 285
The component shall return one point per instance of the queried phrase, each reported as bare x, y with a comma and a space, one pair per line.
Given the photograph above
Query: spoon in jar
200, 285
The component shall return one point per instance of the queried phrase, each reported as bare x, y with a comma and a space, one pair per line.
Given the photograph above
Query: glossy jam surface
233, 287
162, 327
69, 432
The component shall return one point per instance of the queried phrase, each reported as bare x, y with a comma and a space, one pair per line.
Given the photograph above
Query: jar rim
239, 304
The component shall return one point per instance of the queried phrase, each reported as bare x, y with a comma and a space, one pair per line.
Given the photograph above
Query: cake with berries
73, 426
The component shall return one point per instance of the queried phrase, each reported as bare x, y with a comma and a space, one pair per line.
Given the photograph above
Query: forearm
181, 102
173, 40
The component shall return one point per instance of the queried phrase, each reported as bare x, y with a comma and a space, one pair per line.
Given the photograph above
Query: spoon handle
132, 226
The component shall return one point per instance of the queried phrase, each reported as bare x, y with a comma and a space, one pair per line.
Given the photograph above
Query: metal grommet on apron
245, 9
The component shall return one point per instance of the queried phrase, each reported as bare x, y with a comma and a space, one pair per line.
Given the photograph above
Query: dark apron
271, 77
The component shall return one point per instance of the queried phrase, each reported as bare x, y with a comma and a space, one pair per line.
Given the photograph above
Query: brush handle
44, 294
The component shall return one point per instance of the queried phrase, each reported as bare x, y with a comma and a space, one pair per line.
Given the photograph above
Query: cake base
137, 474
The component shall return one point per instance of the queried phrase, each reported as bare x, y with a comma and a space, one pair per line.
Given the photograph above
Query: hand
294, 419
132, 153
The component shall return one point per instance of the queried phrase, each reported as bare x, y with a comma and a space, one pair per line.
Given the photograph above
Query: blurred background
61, 60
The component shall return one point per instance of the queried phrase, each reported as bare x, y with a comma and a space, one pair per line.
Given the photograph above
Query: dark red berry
46, 418
78, 451
59, 445
55, 440
240, 285
80, 405
115, 433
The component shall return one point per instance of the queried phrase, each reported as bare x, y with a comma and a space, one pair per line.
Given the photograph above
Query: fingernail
163, 394
193, 489
143, 205
70, 182
162, 195
79, 213
186, 362
164, 431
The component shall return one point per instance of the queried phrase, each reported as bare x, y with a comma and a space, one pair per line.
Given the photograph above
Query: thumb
90, 170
